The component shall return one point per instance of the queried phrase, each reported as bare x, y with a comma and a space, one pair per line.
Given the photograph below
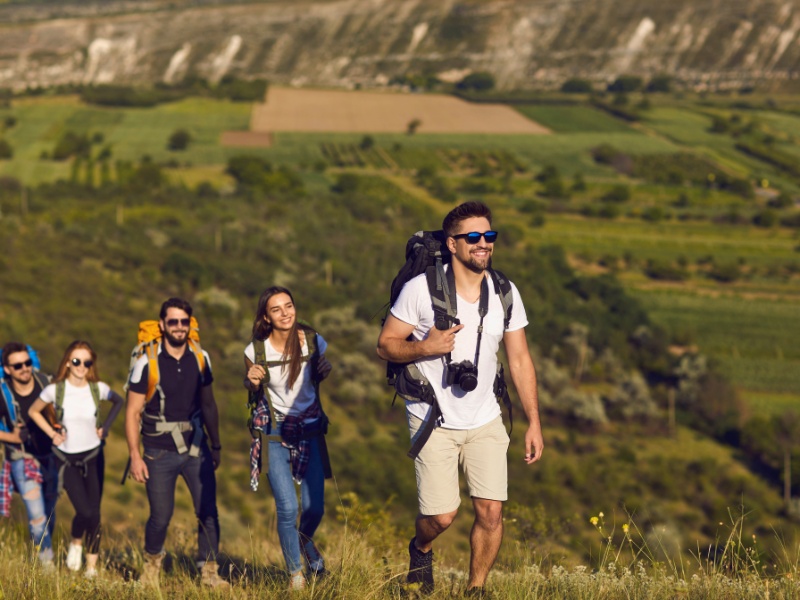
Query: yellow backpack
147, 343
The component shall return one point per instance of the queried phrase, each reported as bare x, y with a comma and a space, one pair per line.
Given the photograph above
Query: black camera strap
483, 307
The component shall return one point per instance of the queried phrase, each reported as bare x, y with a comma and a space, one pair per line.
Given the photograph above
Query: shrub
654, 214
725, 273
626, 84
179, 140
608, 211
604, 154
782, 200
71, 144
6, 151
576, 86
10, 121
766, 218
619, 193
480, 81
367, 142
719, 125
665, 271
660, 83
347, 183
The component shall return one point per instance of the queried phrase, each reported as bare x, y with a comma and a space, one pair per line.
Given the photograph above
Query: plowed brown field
375, 112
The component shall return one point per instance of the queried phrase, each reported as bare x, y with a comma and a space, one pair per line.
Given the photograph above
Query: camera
463, 374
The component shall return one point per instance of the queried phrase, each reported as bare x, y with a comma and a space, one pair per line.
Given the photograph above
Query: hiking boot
316, 564
420, 568
74, 555
151, 570
297, 582
478, 592
209, 575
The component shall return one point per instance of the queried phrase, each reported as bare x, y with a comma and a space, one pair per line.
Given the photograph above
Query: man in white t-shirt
470, 430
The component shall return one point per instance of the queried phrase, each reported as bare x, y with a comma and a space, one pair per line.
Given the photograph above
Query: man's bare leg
485, 539
429, 527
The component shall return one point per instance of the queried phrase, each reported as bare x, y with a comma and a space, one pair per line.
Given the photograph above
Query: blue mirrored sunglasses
473, 237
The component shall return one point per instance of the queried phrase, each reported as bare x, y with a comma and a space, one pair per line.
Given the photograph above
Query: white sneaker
297, 582
90, 573
74, 556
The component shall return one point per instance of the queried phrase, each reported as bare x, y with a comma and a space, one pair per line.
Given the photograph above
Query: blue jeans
49, 465
164, 467
312, 494
31, 493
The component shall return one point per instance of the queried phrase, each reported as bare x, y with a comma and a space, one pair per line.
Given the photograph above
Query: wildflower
601, 515
625, 527
594, 521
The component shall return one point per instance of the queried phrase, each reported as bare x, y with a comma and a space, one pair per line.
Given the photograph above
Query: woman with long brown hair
78, 437
283, 367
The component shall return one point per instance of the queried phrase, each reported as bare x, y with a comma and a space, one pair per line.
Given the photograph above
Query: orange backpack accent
149, 338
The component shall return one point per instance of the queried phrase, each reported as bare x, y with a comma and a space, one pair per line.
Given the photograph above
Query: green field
755, 340
574, 119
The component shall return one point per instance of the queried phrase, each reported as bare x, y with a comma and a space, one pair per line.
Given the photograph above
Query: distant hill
525, 43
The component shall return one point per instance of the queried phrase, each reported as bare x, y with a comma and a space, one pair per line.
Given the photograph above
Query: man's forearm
402, 351
523, 374
208, 406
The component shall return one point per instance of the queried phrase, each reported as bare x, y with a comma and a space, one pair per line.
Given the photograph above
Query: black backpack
427, 252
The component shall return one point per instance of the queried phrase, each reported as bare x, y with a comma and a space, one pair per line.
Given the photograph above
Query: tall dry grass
367, 561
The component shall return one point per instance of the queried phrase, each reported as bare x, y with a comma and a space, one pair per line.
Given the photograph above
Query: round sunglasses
76, 362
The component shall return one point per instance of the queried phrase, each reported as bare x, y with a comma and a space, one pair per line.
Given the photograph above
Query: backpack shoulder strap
503, 288
42, 379
8, 397
197, 350
260, 350
313, 353
153, 375
442, 289
95, 389
61, 388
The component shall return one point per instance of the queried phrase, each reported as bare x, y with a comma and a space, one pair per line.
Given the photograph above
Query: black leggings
85, 493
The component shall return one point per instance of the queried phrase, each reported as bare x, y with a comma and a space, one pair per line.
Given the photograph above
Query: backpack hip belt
82, 464
176, 429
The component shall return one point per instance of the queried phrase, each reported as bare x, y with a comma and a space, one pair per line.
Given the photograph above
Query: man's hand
534, 443
23, 433
441, 341
139, 470
216, 457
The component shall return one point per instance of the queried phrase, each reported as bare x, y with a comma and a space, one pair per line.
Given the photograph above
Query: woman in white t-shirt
75, 396
283, 366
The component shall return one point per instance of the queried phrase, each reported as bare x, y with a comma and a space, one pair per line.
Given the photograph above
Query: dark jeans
49, 465
164, 467
84, 486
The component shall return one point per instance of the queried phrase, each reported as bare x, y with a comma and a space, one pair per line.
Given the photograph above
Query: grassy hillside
329, 218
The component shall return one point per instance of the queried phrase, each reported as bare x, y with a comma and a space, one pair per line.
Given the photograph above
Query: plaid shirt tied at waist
291, 433
32, 472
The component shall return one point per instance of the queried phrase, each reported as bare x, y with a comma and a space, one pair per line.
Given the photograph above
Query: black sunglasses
18, 366
473, 237
175, 322
76, 362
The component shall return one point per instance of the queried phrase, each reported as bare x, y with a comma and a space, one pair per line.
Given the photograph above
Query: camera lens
468, 381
